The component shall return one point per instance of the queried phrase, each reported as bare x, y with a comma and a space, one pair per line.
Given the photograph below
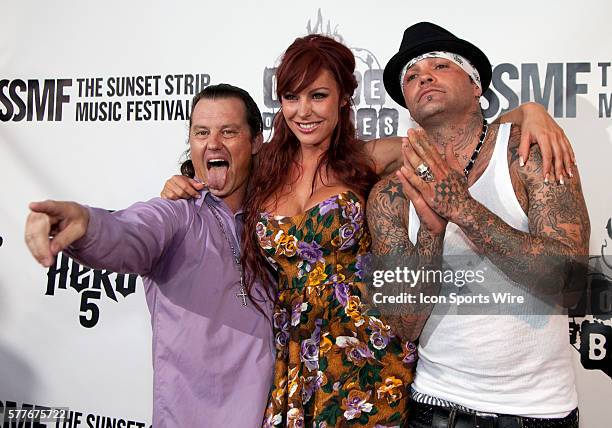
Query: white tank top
513, 364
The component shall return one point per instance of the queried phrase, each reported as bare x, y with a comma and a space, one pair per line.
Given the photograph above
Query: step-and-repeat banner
94, 103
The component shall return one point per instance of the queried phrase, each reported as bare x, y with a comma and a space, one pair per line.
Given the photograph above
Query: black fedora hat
427, 37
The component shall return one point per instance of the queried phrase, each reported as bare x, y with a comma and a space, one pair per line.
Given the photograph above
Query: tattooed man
464, 189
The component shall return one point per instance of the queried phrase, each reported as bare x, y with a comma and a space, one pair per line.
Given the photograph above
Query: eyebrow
228, 125
318, 88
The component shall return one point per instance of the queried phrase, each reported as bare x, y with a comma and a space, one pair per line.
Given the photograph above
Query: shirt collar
205, 194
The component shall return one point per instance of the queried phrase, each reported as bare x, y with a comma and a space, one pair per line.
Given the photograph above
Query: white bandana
457, 59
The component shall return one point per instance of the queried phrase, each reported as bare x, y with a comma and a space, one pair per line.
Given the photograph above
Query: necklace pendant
242, 294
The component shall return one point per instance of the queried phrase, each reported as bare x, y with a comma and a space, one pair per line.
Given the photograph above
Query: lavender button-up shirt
212, 356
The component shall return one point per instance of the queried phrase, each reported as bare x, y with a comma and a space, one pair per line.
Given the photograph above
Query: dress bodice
325, 244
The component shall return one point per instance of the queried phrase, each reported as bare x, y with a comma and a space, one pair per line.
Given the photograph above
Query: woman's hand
181, 187
537, 126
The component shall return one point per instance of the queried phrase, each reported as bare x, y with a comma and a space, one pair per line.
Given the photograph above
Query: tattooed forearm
429, 247
429, 250
552, 255
387, 214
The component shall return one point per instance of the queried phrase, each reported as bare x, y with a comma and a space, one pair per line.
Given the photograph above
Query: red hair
301, 64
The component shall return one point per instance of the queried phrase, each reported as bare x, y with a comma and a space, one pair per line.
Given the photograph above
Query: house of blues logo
372, 118
591, 320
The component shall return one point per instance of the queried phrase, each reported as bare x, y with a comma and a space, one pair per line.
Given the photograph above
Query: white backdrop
555, 52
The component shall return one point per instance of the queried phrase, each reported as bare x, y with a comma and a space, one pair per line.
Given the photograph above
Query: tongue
216, 177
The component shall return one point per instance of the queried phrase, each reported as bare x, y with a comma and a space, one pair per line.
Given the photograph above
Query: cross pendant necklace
242, 294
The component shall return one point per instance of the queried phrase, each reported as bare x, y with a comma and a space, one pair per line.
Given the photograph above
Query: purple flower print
341, 291
310, 252
328, 205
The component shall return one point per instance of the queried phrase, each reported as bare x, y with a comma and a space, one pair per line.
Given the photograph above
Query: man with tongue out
212, 347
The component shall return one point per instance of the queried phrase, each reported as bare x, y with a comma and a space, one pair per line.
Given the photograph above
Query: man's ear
257, 143
476, 89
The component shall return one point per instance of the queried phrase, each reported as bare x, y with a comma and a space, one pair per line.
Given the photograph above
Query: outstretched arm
126, 241
52, 226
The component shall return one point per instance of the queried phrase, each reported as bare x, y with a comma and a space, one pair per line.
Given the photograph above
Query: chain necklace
483, 136
242, 294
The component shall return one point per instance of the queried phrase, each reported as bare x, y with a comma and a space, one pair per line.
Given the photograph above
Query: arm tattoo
387, 214
556, 245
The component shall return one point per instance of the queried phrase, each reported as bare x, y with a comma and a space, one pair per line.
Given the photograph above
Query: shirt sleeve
131, 240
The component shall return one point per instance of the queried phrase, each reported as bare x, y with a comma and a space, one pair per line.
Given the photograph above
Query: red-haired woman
333, 362
304, 215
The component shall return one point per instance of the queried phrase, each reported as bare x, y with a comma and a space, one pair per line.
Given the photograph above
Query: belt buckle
485, 420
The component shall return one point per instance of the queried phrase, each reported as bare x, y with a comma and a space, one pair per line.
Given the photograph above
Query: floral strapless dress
336, 365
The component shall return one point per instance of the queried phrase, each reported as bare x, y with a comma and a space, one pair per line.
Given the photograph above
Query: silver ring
424, 172
421, 169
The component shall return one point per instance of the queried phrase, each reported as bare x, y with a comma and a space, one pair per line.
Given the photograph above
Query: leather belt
442, 417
